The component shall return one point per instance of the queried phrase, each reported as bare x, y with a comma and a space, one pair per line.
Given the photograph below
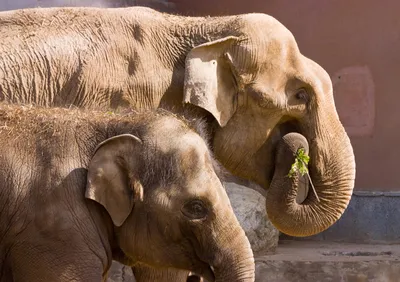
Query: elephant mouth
203, 269
284, 127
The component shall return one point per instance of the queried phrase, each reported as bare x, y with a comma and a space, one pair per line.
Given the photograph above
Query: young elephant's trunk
333, 184
235, 263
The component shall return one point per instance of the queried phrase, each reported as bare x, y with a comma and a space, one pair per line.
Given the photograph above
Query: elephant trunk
240, 273
232, 260
332, 171
237, 262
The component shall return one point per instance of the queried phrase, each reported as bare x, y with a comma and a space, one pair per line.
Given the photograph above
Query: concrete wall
369, 218
358, 43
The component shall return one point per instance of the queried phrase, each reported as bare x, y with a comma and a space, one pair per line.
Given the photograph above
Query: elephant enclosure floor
328, 261
315, 261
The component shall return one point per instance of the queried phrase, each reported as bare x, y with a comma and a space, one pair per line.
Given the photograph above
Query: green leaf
300, 163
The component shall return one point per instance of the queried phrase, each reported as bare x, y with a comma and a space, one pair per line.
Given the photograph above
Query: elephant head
258, 87
167, 204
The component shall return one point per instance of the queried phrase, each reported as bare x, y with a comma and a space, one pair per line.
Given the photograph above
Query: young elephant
79, 189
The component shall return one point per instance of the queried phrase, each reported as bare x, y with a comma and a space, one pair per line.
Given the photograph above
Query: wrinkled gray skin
244, 73
79, 189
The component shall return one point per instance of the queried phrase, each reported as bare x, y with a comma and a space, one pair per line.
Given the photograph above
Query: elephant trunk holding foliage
322, 199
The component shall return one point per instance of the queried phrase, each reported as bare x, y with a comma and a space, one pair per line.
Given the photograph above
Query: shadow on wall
161, 5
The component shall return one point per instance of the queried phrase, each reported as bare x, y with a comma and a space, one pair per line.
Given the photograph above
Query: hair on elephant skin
80, 188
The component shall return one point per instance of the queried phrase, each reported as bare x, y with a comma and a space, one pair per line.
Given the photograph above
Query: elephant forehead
267, 35
201, 186
276, 55
175, 139
194, 165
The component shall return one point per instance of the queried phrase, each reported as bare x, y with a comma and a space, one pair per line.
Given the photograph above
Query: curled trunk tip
314, 214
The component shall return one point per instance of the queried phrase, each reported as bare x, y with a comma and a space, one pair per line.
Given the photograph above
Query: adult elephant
244, 74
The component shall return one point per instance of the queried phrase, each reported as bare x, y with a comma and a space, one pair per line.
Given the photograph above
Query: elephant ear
209, 80
112, 176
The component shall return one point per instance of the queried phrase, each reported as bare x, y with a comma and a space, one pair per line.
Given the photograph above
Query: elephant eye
302, 95
195, 209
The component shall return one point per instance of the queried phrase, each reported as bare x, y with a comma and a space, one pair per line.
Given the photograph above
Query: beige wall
358, 43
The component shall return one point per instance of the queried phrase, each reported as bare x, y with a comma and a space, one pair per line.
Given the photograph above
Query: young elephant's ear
112, 180
209, 80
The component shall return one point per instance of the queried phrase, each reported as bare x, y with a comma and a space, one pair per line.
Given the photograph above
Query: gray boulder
249, 207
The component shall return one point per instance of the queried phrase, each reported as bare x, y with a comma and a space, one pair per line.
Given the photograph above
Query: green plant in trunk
300, 166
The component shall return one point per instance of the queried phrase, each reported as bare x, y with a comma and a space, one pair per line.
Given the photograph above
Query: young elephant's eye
195, 209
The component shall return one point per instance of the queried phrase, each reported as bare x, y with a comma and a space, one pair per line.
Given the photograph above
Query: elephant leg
144, 273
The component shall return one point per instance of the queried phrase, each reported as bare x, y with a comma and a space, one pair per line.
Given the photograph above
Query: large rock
249, 207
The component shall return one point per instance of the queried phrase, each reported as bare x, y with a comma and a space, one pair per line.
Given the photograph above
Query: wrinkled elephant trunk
234, 262
332, 172
237, 265
240, 273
